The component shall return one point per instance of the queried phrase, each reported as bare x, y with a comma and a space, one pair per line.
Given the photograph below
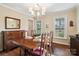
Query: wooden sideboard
11, 35
74, 45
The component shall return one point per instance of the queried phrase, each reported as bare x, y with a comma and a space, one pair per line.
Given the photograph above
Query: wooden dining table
26, 43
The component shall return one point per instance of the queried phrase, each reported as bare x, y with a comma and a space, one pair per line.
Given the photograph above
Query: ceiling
50, 7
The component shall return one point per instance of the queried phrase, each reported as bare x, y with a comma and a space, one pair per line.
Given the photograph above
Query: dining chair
51, 46
40, 51
49, 42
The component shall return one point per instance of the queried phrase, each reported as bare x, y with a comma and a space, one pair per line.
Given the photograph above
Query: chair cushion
38, 51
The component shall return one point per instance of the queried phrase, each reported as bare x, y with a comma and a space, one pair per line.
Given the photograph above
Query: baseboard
64, 45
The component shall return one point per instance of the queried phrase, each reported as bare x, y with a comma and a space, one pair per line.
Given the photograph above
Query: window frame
65, 28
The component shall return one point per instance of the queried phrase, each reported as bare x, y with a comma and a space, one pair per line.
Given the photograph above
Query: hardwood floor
13, 52
59, 50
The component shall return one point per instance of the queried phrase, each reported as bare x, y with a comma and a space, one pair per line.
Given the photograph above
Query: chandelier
37, 10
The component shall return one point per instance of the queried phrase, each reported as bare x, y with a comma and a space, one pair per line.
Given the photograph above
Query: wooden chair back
49, 42
42, 46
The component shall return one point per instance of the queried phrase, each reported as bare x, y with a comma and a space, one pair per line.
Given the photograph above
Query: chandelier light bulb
37, 10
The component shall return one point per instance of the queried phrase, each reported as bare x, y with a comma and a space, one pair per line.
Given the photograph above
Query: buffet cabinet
74, 45
7, 36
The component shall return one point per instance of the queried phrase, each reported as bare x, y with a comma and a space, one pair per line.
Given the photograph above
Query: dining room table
26, 44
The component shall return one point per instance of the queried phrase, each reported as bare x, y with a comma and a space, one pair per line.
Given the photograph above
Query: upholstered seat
38, 51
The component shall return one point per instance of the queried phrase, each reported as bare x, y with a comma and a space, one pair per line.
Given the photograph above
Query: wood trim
62, 45
65, 27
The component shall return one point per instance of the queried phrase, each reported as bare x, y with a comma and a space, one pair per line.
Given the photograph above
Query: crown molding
11, 8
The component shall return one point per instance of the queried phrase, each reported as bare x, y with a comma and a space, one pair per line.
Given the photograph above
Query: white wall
71, 16
77, 19
10, 13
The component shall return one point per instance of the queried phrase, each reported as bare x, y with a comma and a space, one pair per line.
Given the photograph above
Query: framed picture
12, 23
71, 24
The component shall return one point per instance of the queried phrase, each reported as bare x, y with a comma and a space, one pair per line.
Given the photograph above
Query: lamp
37, 10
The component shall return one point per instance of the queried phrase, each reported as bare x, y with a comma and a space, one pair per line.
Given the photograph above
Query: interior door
30, 28
30, 24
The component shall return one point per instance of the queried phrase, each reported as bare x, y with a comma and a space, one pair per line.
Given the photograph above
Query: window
38, 27
60, 27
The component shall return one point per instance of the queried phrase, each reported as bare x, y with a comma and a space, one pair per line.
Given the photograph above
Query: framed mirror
12, 23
